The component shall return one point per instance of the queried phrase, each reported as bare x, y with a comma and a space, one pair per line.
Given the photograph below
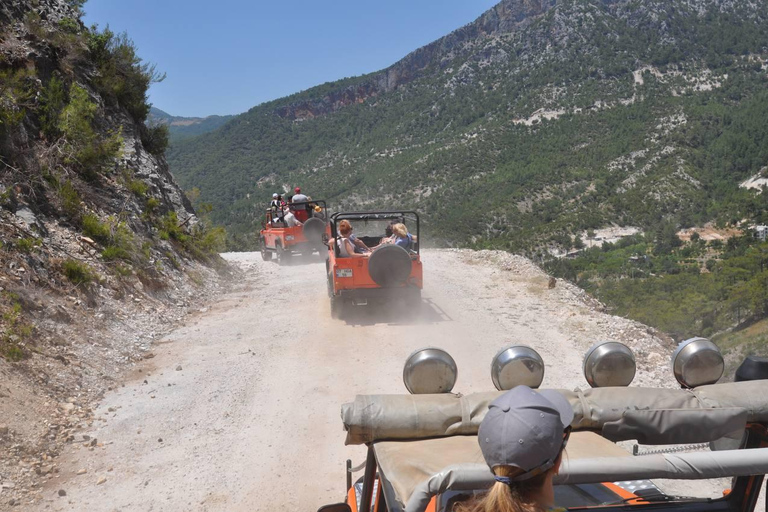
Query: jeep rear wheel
281, 256
266, 255
336, 305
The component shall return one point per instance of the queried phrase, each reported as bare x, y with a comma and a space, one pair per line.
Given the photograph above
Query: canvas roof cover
649, 415
404, 465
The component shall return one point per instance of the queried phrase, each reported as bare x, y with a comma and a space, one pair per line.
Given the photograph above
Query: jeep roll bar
378, 215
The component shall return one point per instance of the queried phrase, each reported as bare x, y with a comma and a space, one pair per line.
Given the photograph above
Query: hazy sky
226, 56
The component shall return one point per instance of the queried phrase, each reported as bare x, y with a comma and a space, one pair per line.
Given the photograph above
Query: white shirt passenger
290, 219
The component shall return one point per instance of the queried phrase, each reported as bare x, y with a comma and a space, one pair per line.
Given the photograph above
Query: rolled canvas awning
652, 416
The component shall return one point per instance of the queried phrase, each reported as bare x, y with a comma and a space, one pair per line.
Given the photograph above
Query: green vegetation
749, 340
15, 97
27, 245
114, 235
91, 153
138, 187
202, 241
155, 138
52, 102
123, 77
70, 200
77, 272
15, 332
691, 289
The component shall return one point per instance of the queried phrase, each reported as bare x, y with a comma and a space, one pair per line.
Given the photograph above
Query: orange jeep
275, 237
389, 272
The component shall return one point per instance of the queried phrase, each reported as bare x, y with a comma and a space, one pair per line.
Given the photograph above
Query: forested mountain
185, 127
536, 121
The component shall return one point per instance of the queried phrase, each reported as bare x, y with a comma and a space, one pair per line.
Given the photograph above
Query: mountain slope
538, 120
100, 250
181, 128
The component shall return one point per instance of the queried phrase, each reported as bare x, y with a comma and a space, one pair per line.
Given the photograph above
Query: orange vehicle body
288, 238
276, 238
351, 500
349, 278
360, 279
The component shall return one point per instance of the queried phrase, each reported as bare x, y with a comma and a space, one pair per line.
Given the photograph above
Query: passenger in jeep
347, 247
523, 459
290, 219
402, 237
300, 210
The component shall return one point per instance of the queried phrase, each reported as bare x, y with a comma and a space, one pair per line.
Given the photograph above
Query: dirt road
239, 410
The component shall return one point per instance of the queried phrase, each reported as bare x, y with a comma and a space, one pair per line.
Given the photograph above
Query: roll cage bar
748, 467
399, 215
320, 202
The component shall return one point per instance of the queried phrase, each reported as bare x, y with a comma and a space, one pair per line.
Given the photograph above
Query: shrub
15, 97
88, 151
123, 270
123, 77
70, 200
52, 101
94, 228
114, 252
27, 245
69, 25
77, 272
155, 138
138, 187
152, 205
15, 330
168, 228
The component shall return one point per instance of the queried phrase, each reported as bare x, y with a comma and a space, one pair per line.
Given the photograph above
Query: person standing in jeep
300, 210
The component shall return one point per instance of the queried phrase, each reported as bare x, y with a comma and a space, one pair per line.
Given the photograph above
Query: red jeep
275, 237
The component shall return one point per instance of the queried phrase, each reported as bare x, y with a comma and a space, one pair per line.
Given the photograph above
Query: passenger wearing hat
275, 203
522, 438
300, 210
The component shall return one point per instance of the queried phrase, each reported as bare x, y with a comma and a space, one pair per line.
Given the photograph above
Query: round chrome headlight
609, 363
697, 362
517, 365
430, 370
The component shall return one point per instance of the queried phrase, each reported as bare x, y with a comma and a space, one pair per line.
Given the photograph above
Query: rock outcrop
100, 250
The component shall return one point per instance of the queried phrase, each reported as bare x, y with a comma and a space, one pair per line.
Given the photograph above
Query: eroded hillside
100, 249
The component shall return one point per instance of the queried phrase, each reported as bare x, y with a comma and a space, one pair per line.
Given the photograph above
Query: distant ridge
184, 127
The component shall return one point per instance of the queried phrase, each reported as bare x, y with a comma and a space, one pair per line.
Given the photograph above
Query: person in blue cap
522, 438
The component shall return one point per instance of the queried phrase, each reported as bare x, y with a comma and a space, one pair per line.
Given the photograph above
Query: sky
226, 56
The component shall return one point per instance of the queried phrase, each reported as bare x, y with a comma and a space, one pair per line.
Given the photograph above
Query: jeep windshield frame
399, 215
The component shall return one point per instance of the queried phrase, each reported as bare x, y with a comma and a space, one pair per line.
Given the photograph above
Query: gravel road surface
239, 409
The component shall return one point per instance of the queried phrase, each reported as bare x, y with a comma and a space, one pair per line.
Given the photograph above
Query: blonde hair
400, 230
344, 228
512, 497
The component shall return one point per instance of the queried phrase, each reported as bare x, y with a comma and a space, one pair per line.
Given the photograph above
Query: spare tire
314, 229
389, 265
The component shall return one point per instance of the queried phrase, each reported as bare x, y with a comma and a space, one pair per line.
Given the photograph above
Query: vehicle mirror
336, 507
609, 363
428, 371
517, 365
697, 362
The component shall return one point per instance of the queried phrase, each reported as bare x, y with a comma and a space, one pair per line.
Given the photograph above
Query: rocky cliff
507, 17
100, 250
